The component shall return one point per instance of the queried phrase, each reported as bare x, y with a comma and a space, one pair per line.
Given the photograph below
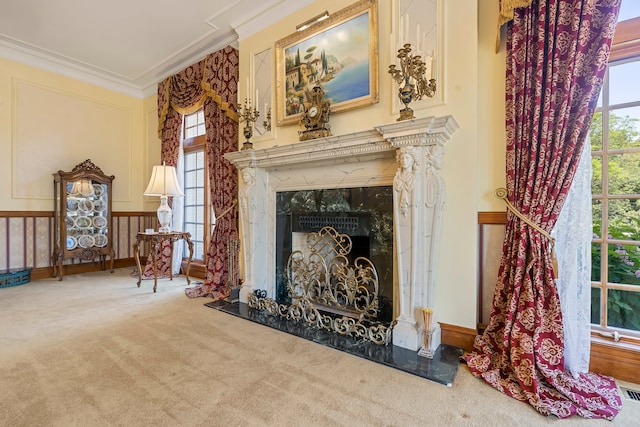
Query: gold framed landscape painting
340, 53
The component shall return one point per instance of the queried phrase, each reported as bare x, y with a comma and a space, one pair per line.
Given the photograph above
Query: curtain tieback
226, 211
501, 193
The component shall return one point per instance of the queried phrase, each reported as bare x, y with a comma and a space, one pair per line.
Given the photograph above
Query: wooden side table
156, 240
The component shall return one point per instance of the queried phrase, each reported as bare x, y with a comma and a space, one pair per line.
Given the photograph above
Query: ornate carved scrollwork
87, 166
328, 292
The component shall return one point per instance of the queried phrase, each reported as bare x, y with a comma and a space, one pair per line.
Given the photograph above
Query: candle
247, 92
433, 65
424, 41
428, 61
257, 99
400, 33
417, 38
406, 28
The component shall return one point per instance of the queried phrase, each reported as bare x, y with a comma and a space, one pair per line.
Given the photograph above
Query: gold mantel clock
315, 115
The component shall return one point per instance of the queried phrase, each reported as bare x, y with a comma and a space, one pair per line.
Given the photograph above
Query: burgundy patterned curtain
170, 149
557, 52
211, 83
220, 81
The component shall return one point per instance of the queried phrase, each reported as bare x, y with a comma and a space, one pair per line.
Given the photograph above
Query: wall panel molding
54, 129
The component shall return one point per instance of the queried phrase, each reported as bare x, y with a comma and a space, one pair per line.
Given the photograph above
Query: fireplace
364, 214
403, 158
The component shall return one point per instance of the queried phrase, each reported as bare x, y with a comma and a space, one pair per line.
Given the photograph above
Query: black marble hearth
441, 369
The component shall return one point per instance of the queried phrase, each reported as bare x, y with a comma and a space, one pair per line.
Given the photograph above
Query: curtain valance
505, 14
187, 90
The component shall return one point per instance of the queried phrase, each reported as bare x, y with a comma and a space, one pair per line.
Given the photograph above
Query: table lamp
164, 183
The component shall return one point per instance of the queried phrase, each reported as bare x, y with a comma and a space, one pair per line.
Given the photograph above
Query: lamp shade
83, 187
163, 182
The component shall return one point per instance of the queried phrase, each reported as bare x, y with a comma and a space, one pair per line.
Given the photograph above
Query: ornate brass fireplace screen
320, 280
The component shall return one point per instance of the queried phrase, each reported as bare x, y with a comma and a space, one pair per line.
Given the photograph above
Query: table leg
190, 243
154, 252
170, 259
136, 251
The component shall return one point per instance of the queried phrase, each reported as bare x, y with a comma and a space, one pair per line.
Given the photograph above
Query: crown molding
145, 85
48, 62
270, 13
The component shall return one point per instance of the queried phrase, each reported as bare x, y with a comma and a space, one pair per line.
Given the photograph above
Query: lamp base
164, 216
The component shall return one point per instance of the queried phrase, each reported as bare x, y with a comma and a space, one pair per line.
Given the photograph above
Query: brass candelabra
411, 76
267, 123
248, 114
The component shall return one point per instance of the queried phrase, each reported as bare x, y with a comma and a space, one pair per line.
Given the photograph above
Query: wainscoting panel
491, 234
26, 240
616, 359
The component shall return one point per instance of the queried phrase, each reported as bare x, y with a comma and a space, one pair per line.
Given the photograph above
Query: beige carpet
95, 350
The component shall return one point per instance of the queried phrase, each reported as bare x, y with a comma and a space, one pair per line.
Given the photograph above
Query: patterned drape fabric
212, 83
221, 82
170, 150
557, 52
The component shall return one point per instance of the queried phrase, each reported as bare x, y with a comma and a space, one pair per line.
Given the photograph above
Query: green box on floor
14, 277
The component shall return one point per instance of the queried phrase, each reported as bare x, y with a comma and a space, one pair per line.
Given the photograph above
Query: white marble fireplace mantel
359, 159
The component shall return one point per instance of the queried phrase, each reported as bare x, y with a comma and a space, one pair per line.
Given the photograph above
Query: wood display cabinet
82, 217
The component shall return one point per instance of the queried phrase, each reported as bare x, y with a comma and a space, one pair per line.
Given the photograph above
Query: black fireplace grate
342, 224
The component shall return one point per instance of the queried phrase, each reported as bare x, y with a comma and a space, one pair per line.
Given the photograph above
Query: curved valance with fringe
187, 90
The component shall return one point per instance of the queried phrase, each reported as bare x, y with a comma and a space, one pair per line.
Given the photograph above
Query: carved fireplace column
418, 202
252, 202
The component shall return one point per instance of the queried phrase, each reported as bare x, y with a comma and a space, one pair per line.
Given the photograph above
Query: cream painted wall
491, 133
152, 149
457, 268
49, 122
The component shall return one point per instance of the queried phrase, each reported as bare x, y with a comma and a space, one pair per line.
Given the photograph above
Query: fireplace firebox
365, 214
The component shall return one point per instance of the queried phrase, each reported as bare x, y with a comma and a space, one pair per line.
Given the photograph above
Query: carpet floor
96, 350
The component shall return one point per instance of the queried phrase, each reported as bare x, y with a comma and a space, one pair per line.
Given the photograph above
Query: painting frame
360, 58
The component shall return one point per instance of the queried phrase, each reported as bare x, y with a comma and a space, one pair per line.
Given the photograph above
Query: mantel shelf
377, 143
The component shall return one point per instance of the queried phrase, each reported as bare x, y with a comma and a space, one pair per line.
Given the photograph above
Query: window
197, 218
615, 186
194, 125
194, 189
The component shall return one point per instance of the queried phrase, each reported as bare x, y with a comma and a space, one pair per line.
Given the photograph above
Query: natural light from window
195, 218
615, 145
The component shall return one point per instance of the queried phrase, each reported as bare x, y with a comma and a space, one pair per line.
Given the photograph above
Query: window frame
198, 143
625, 48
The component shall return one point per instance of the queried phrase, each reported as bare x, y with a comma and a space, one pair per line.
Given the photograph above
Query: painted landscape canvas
342, 58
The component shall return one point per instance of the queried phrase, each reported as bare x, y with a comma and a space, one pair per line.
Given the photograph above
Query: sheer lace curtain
573, 233
178, 215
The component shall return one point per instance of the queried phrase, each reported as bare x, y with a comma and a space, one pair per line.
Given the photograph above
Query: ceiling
129, 45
